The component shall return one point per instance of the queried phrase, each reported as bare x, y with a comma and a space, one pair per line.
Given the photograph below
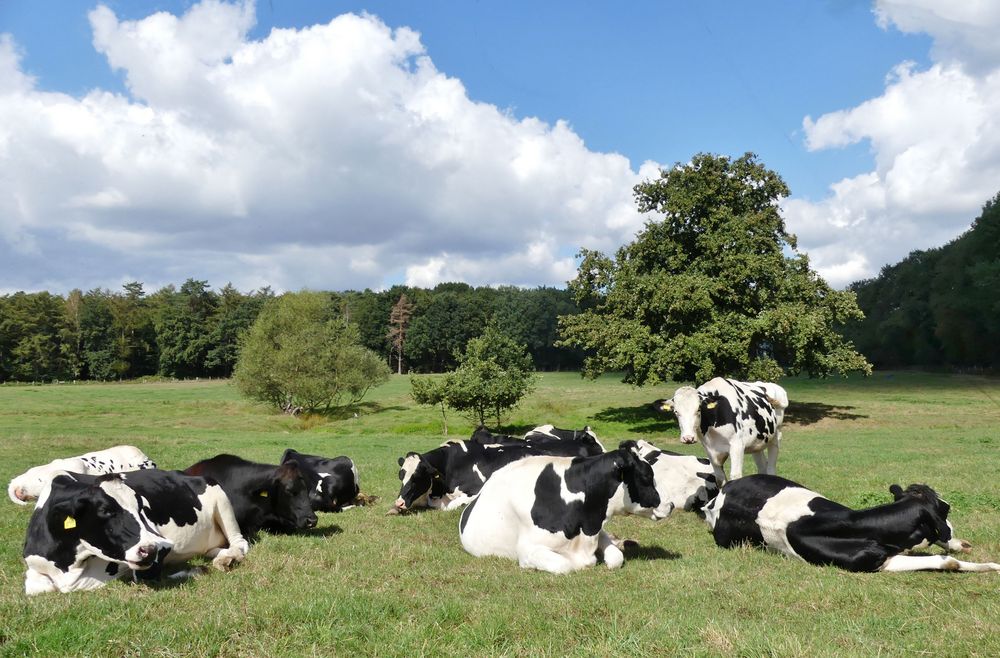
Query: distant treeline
937, 308
194, 331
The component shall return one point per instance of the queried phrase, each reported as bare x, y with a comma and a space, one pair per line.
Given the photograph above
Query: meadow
370, 584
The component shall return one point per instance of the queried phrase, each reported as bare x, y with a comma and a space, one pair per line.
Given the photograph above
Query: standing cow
731, 418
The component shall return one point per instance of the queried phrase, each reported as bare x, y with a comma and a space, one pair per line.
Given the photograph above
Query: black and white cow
87, 530
333, 483
263, 496
448, 476
586, 435
778, 514
732, 418
548, 513
686, 480
119, 459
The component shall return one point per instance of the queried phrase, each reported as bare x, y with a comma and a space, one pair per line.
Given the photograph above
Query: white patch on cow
713, 509
357, 478
676, 476
564, 492
898, 563
785, 507
479, 473
319, 485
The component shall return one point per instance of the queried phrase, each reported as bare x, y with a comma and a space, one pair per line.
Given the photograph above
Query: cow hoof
393, 511
613, 557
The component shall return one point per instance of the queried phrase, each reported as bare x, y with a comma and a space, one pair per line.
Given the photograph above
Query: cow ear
896, 491
400, 460
667, 405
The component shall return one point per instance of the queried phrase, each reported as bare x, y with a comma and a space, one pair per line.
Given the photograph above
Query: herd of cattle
542, 499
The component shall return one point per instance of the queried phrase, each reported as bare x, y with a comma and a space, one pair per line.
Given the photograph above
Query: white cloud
934, 138
332, 156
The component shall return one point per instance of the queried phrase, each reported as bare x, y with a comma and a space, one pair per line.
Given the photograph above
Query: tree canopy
714, 286
301, 355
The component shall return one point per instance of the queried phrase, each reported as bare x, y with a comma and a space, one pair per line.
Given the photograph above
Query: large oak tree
713, 286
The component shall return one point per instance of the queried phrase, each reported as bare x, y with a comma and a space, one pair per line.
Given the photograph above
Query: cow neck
596, 477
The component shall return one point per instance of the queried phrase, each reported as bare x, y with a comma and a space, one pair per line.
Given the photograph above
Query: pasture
366, 583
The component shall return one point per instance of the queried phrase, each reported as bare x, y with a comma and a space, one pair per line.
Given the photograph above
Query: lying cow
731, 418
778, 514
26, 486
686, 480
88, 530
586, 435
263, 496
448, 476
548, 513
333, 484
547, 440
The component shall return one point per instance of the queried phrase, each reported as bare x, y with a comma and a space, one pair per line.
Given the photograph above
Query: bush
300, 356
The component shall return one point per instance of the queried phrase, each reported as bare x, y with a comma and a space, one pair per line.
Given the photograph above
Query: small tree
399, 321
433, 392
299, 356
493, 374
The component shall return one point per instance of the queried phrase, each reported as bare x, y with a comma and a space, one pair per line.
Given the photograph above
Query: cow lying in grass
780, 515
451, 474
548, 513
119, 459
88, 530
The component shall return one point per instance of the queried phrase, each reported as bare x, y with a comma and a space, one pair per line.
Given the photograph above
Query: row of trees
193, 331
937, 308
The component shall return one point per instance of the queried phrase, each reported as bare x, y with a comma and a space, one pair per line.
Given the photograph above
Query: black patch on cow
719, 415
172, 495
465, 514
111, 569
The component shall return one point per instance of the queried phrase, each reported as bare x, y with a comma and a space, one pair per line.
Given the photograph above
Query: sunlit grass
366, 583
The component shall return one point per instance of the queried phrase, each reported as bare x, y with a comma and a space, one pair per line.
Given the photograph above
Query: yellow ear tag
263, 494
666, 407
69, 523
711, 405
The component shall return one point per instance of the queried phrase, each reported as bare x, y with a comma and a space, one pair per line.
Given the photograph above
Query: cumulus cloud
333, 156
934, 139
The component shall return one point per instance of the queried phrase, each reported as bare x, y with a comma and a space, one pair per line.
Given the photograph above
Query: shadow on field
633, 552
324, 531
642, 419
807, 413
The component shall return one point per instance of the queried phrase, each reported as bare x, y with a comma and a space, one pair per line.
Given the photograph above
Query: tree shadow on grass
808, 413
355, 410
324, 531
642, 419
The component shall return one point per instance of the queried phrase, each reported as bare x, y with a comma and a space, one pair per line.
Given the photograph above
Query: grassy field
366, 583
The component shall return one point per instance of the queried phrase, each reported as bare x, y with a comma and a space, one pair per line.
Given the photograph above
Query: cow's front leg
535, 556
37, 583
760, 459
717, 459
613, 556
736, 452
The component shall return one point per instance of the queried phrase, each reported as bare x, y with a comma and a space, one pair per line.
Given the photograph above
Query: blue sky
654, 82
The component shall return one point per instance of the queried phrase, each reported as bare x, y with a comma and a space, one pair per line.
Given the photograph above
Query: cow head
939, 530
285, 496
686, 481
417, 481
28, 485
101, 520
688, 406
642, 493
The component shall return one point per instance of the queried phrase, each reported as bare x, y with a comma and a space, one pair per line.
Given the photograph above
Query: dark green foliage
494, 373
194, 331
301, 354
36, 342
708, 289
939, 307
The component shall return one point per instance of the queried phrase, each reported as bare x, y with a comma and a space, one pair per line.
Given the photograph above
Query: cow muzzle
688, 439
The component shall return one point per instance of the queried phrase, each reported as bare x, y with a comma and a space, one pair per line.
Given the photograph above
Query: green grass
371, 584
